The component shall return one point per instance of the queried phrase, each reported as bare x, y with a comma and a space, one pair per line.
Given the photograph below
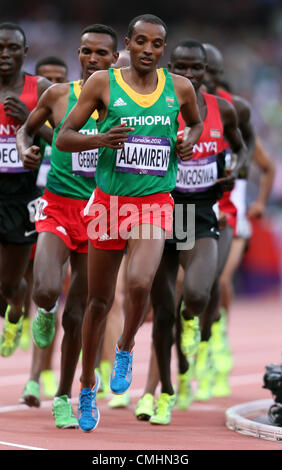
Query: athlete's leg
13, 287
113, 331
233, 262
213, 325
14, 262
115, 318
48, 376
144, 259
72, 322
224, 246
28, 304
3, 305
50, 257
200, 265
103, 267
3, 301
163, 300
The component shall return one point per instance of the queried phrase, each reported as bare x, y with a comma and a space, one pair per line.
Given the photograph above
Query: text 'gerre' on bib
85, 163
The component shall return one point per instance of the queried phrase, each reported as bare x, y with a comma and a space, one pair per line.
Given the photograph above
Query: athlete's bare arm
190, 112
244, 123
51, 107
17, 109
94, 95
45, 132
233, 134
264, 162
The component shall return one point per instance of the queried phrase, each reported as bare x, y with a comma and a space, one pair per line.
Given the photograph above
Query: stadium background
248, 32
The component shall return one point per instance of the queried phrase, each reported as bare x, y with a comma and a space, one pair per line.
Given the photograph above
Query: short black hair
50, 60
102, 29
14, 27
190, 43
147, 18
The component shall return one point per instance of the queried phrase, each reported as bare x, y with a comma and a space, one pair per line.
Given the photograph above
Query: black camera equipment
273, 382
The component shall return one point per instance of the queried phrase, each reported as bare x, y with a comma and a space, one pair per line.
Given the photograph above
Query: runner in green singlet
137, 165
55, 70
70, 183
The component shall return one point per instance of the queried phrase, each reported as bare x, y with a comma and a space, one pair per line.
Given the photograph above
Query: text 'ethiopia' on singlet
147, 164
14, 179
72, 174
196, 178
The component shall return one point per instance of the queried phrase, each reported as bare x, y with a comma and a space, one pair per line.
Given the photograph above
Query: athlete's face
12, 51
54, 73
96, 53
146, 46
214, 72
190, 63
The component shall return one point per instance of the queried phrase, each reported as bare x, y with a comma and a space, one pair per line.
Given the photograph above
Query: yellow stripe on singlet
142, 100
77, 90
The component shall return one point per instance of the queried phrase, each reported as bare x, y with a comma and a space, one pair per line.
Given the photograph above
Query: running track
256, 339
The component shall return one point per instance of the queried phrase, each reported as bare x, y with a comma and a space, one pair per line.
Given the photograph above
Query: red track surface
256, 338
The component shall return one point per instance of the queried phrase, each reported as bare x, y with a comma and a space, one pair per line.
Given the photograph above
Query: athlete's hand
16, 109
184, 147
116, 136
222, 220
256, 209
31, 158
227, 182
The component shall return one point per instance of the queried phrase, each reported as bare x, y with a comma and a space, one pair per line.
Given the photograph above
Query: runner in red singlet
19, 93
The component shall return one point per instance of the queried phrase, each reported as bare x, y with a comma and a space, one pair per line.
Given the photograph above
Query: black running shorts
17, 217
204, 225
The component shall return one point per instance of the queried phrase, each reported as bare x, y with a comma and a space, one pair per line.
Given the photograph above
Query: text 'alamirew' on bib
144, 155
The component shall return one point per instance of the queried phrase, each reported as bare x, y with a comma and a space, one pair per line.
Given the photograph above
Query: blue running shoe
88, 413
122, 371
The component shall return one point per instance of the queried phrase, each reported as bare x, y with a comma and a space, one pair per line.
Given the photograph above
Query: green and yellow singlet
72, 174
147, 164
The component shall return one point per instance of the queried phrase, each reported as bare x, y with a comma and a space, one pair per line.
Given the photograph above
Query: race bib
41, 205
85, 163
43, 172
144, 155
10, 161
196, 175
32, 208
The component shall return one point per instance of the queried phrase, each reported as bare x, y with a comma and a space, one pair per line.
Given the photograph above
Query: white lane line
21, 446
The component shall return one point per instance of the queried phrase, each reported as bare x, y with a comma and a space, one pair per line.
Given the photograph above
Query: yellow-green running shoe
11, 335
204, 390
49, 383
25, 337
145, 407
120, 401
185, 393
164, 407
63, 413
31, 394
203, 360
104, 371
43, 328
220, 349
190, 335
221, 386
